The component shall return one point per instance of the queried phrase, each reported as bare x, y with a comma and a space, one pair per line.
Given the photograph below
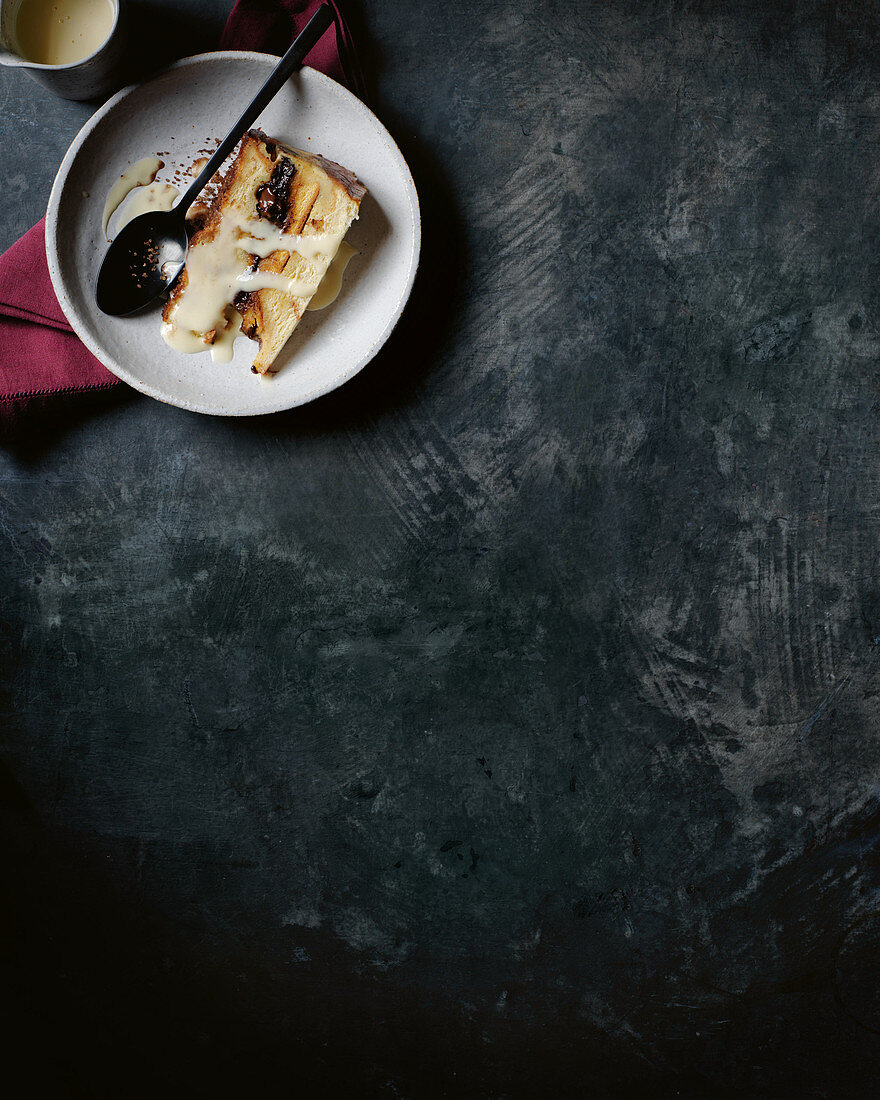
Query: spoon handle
304, 41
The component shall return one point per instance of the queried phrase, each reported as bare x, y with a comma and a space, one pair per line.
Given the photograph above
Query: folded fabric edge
348, 57
22, 314
24, 395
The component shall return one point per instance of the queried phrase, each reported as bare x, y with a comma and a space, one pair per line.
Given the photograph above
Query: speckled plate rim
77, 323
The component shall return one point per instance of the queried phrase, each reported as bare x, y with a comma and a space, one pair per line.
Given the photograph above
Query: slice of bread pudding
261, 250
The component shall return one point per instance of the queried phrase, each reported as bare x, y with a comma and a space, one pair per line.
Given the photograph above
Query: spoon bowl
145, 258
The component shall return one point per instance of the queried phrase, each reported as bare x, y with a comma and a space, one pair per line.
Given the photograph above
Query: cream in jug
62, 32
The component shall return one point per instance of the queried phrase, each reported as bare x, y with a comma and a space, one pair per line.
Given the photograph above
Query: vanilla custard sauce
330, 286
136, 175
218, 272
146, 200
62, 32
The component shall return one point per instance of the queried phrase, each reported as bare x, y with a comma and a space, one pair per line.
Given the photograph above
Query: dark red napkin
40, 358
269, 26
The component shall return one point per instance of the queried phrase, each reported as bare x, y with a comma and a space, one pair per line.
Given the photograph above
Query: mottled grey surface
505, 724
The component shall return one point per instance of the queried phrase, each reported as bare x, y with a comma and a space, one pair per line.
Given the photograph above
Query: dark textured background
505, 724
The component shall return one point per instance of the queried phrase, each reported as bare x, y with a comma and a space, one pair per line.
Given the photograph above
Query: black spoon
148, 253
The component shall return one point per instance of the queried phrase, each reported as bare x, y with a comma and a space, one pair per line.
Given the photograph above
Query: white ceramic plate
180, 113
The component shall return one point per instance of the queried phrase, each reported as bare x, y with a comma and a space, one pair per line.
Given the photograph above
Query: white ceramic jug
93, 77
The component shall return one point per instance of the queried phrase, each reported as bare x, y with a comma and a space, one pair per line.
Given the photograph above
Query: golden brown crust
343, 176
346, 179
